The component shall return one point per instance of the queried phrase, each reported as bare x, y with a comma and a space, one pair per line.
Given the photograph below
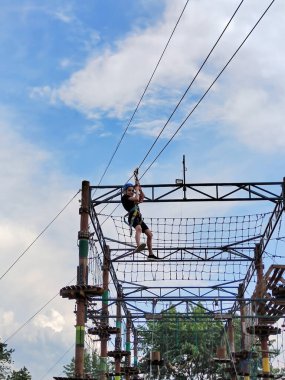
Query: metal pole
105, 320
184, 178
82, 279
283, 193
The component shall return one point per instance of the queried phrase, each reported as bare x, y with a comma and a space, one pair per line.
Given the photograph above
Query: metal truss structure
222, 296
211, 266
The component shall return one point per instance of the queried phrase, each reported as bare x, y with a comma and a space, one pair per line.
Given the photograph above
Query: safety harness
135, 214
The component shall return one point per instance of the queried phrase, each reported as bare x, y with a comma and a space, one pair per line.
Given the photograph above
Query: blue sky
71, 74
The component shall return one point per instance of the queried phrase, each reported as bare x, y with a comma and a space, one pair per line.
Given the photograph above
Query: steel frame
226, 294
197, 192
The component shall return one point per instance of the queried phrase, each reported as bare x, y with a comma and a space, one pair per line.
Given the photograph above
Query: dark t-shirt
127, 203
128, 206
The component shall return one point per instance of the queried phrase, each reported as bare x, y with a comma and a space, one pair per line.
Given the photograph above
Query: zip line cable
40, 234
143, 94
188, 88
209, 88
190, 85
204, 95
29, 320
58, 361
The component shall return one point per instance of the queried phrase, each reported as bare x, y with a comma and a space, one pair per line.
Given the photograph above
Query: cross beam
197, 192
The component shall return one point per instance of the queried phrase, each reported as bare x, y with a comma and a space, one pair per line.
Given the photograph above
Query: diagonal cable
143, 94
186, 91
34, 315
58, 361
40, 234
203, 96
190, 85
188, 88
209, 88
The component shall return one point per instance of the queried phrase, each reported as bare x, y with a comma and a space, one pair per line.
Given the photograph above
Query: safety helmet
126, 185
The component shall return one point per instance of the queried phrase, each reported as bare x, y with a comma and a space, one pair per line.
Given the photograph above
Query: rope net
210, 249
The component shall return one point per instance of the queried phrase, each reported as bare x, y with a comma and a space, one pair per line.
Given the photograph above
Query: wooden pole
82, 279
231, 343
243, 329
263, 338
128, 345
105, 316
118, 339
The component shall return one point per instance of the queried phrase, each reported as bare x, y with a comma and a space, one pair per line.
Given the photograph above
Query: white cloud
34, 192
153, 128
112, 82
257, 123
43, 92
54, 320
63, 16
7, 319
63, 63
34, 188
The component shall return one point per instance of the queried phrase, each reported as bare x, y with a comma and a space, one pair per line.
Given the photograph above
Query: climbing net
208, 249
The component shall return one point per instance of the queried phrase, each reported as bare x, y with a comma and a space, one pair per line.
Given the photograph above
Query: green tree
22, 374
5, 360
186, 343
91, 365
5, 366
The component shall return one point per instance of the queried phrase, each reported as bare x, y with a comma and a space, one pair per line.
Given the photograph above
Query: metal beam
197, 192
272, 192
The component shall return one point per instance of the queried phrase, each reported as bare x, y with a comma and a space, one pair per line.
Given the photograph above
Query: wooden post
128, 345
263, 338
118, 339
105, 319
243, 329
231, 343
82, 279
231, 336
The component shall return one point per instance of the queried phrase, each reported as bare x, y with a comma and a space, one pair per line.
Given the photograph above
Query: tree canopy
186, 343
6, 372
22, 374
91, 365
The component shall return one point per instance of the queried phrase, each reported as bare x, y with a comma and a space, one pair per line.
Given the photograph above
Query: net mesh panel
210, 249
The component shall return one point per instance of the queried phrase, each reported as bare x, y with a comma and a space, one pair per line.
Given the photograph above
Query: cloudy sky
72, 73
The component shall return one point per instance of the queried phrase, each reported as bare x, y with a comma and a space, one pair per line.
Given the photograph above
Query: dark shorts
137, 221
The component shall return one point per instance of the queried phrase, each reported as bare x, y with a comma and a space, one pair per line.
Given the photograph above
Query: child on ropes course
132, 196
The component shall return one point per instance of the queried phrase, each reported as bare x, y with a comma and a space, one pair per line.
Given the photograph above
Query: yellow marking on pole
265, 365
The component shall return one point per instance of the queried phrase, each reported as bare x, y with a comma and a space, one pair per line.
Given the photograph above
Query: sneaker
153, 257
140, 248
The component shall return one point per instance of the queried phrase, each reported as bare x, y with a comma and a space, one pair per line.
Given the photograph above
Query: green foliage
69, 368
22, 374
186, 343
91, 365
5, 360
278, 371
5, 366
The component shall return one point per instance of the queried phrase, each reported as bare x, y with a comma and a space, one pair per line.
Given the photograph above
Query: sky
72, 74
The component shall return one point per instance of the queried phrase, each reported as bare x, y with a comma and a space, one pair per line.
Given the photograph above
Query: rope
211, 249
